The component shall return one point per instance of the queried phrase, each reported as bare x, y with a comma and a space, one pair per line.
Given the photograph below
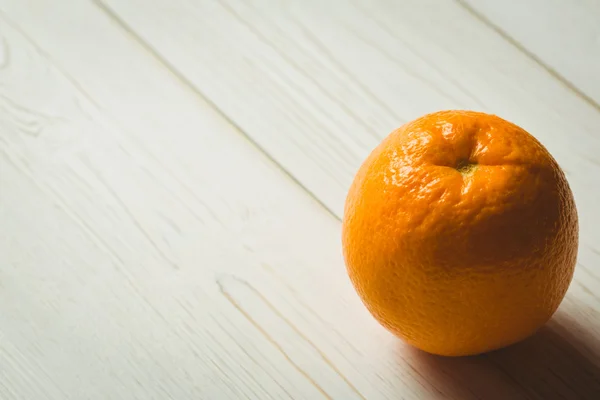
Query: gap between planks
114, 17
551, 71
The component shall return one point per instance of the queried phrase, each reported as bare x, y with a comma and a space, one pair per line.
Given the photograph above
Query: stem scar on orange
460, 233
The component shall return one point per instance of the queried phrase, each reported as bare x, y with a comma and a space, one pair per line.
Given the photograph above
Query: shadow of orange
553, 364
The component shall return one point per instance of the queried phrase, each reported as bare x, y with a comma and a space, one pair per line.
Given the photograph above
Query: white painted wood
411, 56
563, 34
133, 268
139, 232
385, 62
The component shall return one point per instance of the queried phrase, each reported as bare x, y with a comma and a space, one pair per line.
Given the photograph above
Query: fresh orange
460, 233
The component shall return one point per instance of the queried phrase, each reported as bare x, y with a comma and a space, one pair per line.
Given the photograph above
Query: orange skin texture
460, 233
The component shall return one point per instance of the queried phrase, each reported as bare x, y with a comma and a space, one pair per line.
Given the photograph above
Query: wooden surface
172, 176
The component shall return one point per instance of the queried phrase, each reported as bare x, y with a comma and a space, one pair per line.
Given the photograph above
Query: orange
460, 233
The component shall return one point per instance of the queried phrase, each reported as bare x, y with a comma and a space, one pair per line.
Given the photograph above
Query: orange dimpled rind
460, 233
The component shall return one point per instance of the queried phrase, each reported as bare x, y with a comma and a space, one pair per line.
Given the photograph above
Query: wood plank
384, 62
129, 268
391, 60
563, 35
410, 56
136, 272
218, 290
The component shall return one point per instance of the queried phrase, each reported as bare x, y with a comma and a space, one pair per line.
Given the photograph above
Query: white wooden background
172, 176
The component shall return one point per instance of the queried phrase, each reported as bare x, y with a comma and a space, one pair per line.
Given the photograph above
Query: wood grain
278, 53
121, 242
152, 250
385, 46
562, 36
